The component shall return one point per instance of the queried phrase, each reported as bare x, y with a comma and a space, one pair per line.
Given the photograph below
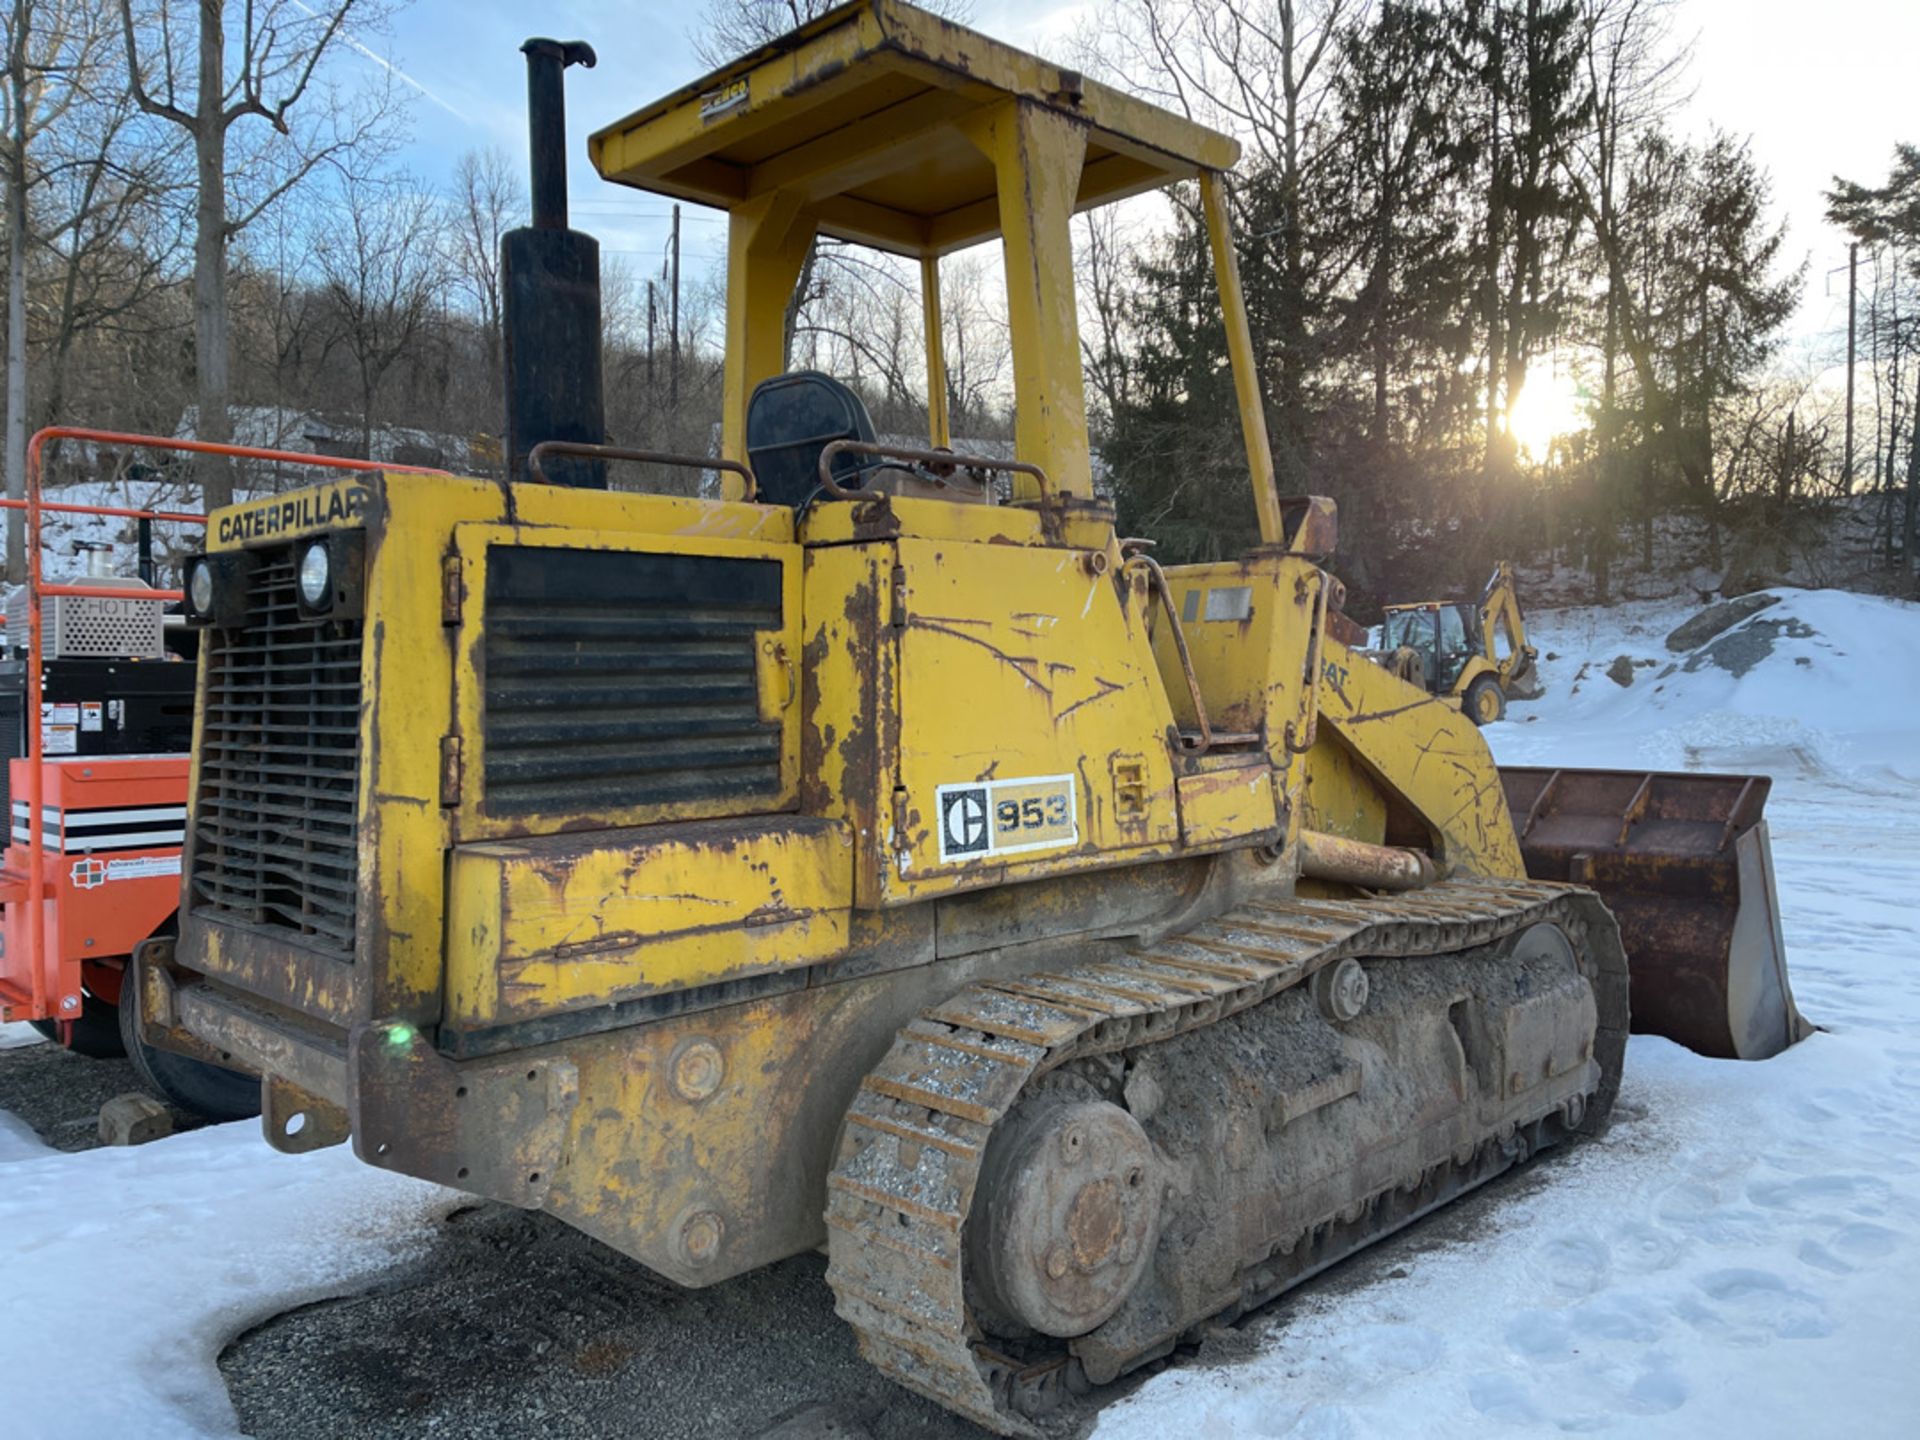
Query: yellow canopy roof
856, 113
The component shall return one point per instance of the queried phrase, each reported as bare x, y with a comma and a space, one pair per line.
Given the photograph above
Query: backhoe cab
1081, 949
1477, 654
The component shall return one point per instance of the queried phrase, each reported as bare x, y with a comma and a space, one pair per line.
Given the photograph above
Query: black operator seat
792, 418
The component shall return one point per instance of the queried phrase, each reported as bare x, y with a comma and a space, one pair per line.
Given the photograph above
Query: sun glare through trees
1548, 409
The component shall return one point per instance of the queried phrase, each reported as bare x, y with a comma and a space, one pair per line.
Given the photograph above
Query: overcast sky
1818, 89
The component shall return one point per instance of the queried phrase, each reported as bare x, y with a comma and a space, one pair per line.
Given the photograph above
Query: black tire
96, 1034
1485, 702
212, 1092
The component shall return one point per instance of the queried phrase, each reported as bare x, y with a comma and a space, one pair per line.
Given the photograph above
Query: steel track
904, 1179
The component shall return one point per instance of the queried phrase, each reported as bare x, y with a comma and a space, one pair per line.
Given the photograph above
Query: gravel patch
1741, 650
60, 1093
515, 1323
512, 1324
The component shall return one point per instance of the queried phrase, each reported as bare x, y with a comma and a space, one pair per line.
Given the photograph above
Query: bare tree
729, 29
979, 349
113, 236
278, 334
1102, 260
1886, 218
258, 74
487, 202
864, 324
1634, 74
1263, 70
53, 50
383, 272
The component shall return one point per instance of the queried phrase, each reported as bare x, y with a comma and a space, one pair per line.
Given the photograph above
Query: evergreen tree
1174, 450
1401, 337
1531, 108
1706, 303
1405, 323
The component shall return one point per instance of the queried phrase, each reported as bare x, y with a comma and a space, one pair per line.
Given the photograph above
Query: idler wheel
1071, 1214
1545, 941
1340, 990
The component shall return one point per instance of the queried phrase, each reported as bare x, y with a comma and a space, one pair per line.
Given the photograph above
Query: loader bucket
1683, 863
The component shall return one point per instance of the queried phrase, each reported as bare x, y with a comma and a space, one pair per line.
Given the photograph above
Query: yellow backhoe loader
1476, 654
1081, 949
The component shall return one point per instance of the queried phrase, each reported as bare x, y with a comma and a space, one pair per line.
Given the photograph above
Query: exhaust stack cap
547, 61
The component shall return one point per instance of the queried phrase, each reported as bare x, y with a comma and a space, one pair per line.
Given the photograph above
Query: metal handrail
1158, 579
1310, 682
923, 457
38, 588
113, 510
641, 457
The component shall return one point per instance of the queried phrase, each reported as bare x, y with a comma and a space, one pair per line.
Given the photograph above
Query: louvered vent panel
616, 680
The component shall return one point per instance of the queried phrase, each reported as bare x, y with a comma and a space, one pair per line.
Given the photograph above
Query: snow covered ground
124, 1272
1740, 1255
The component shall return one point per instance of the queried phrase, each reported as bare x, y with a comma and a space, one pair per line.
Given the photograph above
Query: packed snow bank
127, 1270
1740, 1253
1822, 679
1708, 1269
18, 1142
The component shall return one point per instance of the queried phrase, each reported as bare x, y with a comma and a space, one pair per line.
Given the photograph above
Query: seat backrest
790, 419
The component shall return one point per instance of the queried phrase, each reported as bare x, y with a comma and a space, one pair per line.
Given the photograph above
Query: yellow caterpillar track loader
1476, 654
1081, 949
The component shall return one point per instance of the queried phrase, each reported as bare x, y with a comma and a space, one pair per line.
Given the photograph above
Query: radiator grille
617, 680
273, 821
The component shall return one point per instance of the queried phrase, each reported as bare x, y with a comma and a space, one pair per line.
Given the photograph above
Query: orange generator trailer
111, 684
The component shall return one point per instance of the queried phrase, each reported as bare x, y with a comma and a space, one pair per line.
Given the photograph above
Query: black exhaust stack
550, 300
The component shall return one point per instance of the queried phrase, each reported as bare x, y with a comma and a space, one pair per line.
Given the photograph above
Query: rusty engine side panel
558, 923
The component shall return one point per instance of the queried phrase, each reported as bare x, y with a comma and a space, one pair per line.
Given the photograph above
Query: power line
692, 252
614, 208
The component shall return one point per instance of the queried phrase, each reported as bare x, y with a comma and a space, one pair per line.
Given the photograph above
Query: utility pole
673, 320
650, 323
1853, 293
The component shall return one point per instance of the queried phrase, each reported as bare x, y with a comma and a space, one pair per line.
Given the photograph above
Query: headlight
316, 575
200, 587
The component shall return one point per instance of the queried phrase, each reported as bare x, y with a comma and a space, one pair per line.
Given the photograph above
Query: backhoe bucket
1684, 864
1524, 682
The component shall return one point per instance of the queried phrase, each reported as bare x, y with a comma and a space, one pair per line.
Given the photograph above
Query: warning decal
59, 728
985, 819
